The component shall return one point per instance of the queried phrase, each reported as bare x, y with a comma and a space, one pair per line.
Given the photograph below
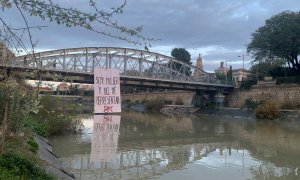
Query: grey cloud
193, 24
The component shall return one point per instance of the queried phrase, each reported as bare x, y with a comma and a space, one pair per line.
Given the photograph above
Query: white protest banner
107, 97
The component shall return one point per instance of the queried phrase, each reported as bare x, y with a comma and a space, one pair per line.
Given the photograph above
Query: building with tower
199, 64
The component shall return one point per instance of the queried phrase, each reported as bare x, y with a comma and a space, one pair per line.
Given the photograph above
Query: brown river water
153, 146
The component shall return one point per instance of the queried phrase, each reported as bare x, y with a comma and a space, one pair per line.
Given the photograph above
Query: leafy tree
263, 69
278, 41
183, 55
221, 76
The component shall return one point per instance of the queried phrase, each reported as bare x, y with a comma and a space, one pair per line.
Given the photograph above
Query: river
153, 146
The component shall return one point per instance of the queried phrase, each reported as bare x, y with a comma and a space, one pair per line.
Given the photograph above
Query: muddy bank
140, 107
289, 115
178, 110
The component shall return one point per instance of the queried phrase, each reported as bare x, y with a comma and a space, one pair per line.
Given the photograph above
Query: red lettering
107, 119
108, 108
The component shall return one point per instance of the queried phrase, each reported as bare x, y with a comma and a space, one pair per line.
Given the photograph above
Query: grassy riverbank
22, 114
20, 159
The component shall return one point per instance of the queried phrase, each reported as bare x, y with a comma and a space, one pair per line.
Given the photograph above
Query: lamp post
243, 66
257, 72
226, 71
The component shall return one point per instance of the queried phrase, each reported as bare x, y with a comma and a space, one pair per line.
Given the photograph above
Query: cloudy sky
218, 29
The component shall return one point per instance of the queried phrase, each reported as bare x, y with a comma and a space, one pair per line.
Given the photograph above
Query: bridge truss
131, 63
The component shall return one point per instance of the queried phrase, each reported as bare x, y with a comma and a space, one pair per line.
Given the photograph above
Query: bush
179, 101
288, 80
267, 110
54, 117
154, 105
246, 85
19, 101
128, 101
34, 124
13, 166
249, 104
168, 102
33, 145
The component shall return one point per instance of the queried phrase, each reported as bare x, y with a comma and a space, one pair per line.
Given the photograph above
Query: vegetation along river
151, 146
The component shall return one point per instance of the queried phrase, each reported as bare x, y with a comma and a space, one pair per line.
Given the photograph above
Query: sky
218, 29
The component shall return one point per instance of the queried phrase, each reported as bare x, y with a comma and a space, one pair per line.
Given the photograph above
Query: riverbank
178, 110
181, 111
52, 164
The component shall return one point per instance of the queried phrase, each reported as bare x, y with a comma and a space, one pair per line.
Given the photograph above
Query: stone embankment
52, 165
286, 96
178, 110
172, 96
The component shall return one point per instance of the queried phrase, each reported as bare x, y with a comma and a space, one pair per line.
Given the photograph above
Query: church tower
199, 65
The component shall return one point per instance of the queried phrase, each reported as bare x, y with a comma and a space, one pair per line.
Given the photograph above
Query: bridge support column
219, 100
202, 99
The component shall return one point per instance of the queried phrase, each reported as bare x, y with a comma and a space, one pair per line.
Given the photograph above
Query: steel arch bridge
134, 65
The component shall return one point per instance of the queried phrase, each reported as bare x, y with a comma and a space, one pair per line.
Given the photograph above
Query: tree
278, 41
264, 69
183, 55
221, 76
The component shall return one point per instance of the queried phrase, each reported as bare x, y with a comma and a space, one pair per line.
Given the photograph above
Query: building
86, 87
239, 75
221, 69
63, 87
43, 89
199, 64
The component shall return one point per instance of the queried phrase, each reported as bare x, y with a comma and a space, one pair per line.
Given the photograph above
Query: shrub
54, 117
154, 105
267, 110
128, 101
249, 104
168, 102
288, 80
246, 85
18, 101
33, 145
13, 166
179, 101
290, 103
34, 124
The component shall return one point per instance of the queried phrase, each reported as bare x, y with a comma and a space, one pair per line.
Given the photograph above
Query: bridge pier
209, 99
219, 100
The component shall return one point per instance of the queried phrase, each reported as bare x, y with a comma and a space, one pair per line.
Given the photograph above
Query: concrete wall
185, 96
286, 96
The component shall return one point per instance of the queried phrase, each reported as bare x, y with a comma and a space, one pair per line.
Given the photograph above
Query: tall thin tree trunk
4, 128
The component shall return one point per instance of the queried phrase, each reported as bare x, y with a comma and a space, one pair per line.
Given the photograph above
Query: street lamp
243, 66
226, 70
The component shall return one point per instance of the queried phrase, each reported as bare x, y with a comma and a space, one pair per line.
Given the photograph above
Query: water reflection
144, 146
105, 138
